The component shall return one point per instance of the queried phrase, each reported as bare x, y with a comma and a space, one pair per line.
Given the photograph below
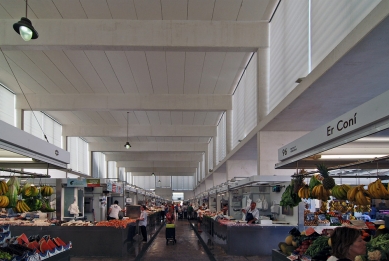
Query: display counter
243, 239
278, 256
93, 240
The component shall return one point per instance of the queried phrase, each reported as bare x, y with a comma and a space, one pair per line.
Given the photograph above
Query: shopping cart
170, 233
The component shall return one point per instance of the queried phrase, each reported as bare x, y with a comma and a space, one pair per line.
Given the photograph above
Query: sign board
369, 113
109, 185
79, 183
117, 188
93, 182
128, 200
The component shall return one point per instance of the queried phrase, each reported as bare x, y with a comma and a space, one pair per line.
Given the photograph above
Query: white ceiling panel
153, 117
96, 9
70, 9
200, 9
151, 139
122, 70
212, 118
43, 9
61, 61
159, 139
122, 9
188, 117
95, 117
157, 66
142, 139
104, 70
175, 70
142, 117
231, 71
194, 62
72, 116
140, 70
226, 10
148, 9
44, 63
86, 69
84, 117
176, 117
3, 13
165, 118
174, 9
23, 79
94, 139
199, 118
28, 66
213, 64
63, 117
108, 118
17, 9
190, 139
121, 117
204, 139
252, 10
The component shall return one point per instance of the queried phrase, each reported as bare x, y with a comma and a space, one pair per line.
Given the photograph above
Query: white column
19, 118
263, 83
229, 131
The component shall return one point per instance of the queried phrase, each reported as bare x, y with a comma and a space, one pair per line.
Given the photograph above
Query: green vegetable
289, 198
318, 245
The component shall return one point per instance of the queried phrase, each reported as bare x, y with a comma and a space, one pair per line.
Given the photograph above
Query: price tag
334, 220
322, 217
346, 216
310, 217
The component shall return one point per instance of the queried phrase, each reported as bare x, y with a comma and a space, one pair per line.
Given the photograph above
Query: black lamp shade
127, 145
27, 23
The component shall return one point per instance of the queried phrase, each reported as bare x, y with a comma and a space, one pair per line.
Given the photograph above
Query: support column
229, 131
19, 119
263, 83
215, 162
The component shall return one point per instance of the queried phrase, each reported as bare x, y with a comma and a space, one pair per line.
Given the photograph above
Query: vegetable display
289, 198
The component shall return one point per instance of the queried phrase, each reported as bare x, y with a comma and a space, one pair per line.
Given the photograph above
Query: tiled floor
188, 247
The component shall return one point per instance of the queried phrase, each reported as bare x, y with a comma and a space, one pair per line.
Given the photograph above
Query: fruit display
46, 191
12, 193
33, 203
4, 201
289, 198
29, 190
328, 182
3, 187
304, 192
358, 195
377, 190
319, 192
340, 191
21, 207
340, 206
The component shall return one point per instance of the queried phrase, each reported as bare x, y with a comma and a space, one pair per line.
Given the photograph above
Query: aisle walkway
188, 246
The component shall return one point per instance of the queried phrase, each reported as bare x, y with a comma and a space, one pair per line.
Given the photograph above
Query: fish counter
242, 239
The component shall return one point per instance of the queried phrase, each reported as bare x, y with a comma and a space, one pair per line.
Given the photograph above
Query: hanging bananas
30, 191
340, 191
3, 187
358, 195
46, 191
377, 190
304, 192
21, 207
4, 201
319, 192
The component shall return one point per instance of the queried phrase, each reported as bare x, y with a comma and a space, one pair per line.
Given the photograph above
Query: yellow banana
382, 189
2, 201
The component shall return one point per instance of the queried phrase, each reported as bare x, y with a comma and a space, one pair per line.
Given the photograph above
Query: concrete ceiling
166, 64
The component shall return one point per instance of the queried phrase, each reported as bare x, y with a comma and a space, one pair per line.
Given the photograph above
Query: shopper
373, 212
346, 243
114, 210
199, 219
252, 213
143, 222
225, 209
190, 212
170, 218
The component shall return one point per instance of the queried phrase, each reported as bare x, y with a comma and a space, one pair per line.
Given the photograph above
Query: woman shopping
347, 243
170, 218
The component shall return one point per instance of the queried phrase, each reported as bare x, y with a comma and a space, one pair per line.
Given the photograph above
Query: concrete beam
163, 173
154, 156
73, 34
148, 146
138, 130
123, 102
156, 164
159, 169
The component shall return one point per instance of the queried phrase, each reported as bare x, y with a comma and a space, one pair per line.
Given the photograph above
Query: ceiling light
351, 156
25, 29
159, 181
152, 174
127, 145
15, 159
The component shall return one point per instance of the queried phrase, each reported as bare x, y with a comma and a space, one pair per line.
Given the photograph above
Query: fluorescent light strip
351, 156
15, 159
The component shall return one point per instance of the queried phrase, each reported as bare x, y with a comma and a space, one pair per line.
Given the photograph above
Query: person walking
143, 222
190, 212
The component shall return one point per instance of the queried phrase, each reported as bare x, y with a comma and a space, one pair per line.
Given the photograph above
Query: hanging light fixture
127, 145
25, 29
159, 181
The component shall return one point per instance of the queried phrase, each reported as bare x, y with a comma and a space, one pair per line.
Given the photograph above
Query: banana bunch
377, 190
46, 191
323, 207
3, 187
30, 191
21, 207
320, 193
4, 201
358, 195
304, 192
340, 191
360, 208
340, 206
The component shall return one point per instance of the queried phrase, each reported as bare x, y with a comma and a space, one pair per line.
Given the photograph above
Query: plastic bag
265, 204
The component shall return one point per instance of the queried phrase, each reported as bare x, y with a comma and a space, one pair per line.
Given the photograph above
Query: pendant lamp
25, 29
127, 145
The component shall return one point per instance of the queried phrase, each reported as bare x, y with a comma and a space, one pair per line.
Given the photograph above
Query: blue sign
81, 183
109, 185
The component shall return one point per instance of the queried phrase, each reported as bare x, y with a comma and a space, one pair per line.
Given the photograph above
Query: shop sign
93, 182
80, 183
367, 114
109, 185
117, 188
